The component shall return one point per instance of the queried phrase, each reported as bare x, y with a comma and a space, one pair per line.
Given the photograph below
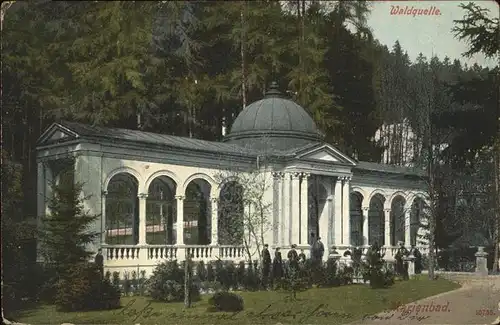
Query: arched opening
161, 212
416, 217
376, 220
398, 220
356, 219
197, 221
317, 196
121, 210
230, 225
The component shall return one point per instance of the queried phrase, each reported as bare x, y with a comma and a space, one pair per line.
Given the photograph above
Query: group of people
402, 266
277, 269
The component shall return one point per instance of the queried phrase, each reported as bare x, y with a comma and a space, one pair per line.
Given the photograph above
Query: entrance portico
160, 196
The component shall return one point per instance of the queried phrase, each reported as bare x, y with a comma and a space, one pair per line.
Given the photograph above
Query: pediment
56, 133
326, 153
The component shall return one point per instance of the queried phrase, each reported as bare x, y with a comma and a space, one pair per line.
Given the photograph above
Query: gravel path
477, 302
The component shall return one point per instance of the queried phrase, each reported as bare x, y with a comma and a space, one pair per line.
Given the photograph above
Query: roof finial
273, 90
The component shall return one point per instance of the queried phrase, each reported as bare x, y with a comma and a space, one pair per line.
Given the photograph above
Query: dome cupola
274, 121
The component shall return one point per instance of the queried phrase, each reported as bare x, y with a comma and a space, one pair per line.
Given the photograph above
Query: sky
429, 34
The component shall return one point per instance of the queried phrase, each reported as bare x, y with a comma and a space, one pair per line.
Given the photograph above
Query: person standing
418, 259
302, 257
293, 258
277, 265
313, 246
320, 249
401, 268
99, 262
266, 265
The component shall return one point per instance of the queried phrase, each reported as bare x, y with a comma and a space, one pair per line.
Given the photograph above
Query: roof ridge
142, 136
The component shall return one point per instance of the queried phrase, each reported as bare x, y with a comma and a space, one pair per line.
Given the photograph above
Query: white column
285, 216
337, 217
103, 217
304, 209
142, 218
214, 222
281, 227
49, 178
295, 215
407, 213
41, 202
387, 231
345, 210
330, 239
180, 220
277, 202
40, 173
366, 230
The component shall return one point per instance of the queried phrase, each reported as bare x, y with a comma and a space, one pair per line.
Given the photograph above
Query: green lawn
318, 306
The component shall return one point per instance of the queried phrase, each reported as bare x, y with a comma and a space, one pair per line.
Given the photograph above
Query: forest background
188, 68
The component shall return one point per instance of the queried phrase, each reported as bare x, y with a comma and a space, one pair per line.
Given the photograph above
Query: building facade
160, 196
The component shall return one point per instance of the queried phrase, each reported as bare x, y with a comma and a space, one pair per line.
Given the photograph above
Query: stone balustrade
123, 258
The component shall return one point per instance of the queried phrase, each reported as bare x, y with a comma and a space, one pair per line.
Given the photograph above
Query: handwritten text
268, 312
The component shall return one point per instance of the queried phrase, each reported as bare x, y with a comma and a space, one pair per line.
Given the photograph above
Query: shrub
85, 290
356, 260
240, 275
219, 271
293, 283
27, 285
330, 278
252, 280
201, 271
210, 287
374, 271
142, 283
116, 280
389, 277
225, 301
210, 272
316, 271
305, 272
167, 283
231, 275
126, 284
47, 283
346, 275
134, 282
425, 262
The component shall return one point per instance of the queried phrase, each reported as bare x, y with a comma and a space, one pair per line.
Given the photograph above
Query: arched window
197, 219
231, 214
161, 212
376, 220
122, 219
317, 196
356, 219
398, 225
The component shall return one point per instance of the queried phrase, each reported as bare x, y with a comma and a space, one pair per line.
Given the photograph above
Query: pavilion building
160, 196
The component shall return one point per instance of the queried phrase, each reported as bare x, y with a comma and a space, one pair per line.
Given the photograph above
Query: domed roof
275, 118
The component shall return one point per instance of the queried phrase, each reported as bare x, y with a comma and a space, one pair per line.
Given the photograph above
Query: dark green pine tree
65, 230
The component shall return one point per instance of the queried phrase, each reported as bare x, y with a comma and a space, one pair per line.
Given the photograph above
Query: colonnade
305, 204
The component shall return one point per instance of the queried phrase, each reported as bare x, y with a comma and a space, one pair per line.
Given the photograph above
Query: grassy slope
318, 306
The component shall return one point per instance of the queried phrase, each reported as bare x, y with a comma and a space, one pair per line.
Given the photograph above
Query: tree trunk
243, 54
302, 44
4, 6
497, 204
299, 28
187, 281
432, 211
